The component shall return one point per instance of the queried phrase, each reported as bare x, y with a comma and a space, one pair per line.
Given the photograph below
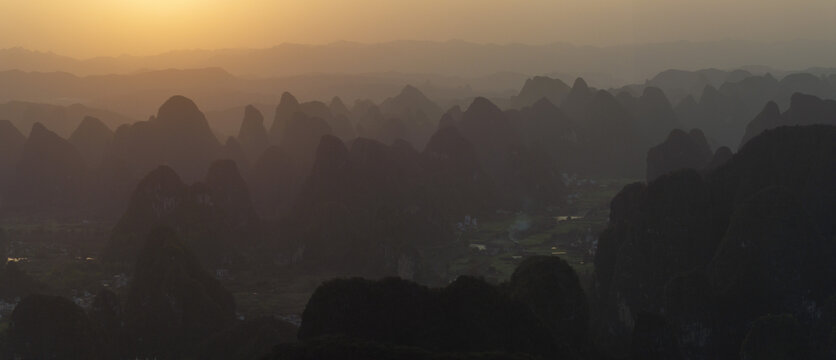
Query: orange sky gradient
87, 28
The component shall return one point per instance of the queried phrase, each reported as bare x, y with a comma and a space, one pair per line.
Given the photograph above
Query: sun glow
164, 7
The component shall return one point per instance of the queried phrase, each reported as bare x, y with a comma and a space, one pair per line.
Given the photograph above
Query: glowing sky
85, 28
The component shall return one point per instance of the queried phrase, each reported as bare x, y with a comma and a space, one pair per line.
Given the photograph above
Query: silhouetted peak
253, 124
800, 101
481, 107
451, 117
580, 85
6, 127
179, 108
680, 150
91, 128
330, 154
721, 156
654, 93
448, 141
288, 100
455, 111
331, 146
91, 138
92, 125
411, 92
336, 101
806, 79
40, 131
338, 107
543, 83
10, 136
253, 135
769, 117
544, 106
605, 99
771, 109
253, 115
43, 139
698, 135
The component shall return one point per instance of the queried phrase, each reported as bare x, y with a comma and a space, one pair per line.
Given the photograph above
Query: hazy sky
85, 28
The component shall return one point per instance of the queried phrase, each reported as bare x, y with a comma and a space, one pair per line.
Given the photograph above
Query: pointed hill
92, 138
253, 135
418, 113
804, 110
540, 87
288, 106
11, 147
51, 174
214, 217
680, 150
178, 136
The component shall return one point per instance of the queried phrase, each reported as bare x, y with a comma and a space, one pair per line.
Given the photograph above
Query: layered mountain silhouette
418, 114
541, 311
252, 135
723, 111
717, 252
63, 120
215, 217
540, 87
355, 198
804, 110
178, 136
92, 138
11, 147
680, 150
50, 175
373, 124
653, 112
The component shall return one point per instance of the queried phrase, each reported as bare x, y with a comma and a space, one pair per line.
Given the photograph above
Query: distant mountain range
604, 66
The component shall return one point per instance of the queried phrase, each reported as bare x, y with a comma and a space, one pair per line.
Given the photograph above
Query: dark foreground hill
541, 312
690, 264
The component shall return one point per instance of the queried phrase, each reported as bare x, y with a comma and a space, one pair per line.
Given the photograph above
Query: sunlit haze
87, 28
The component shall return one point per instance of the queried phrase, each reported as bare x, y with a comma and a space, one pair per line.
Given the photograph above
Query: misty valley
689, 217
417, 180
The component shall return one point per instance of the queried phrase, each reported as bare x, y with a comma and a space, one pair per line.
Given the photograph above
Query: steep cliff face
711, 253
